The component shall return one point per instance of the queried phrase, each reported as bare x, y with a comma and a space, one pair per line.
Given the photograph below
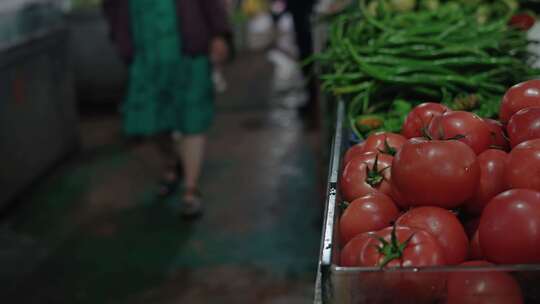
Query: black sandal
167, 186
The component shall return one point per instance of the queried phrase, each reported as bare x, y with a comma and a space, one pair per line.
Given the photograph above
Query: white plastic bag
286, 39
260, 31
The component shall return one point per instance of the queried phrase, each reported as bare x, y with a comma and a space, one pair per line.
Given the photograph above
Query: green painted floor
92, 231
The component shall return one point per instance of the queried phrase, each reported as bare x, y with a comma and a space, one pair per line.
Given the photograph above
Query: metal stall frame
322, 285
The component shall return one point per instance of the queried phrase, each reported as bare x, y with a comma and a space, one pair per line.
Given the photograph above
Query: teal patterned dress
168, 91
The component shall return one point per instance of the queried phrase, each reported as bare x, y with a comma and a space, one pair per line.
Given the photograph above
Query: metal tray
347, 285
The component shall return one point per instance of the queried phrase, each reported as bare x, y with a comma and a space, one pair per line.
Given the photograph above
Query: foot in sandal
191, 206
169, 182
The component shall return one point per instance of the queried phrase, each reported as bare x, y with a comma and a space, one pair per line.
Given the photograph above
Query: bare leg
191, 151
169, 164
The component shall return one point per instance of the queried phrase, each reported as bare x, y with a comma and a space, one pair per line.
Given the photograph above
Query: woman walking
170, 46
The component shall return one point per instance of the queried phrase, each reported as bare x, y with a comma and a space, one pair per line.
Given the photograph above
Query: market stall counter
38, 121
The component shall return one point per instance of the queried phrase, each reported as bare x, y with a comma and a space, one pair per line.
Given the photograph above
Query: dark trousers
301, 14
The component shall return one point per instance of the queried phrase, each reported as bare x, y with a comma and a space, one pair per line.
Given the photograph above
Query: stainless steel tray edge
323, 287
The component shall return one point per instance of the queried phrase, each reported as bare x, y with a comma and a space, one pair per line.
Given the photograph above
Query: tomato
475, 252
482, 287
360, 176
351, 251
523, 166
522, 21
492, 180
520, 96
524, 125
419, 248
393, 287
467, 127
367, 213
420, 117
444, 226
435, 173
352, 152
384, 142
498, 137
398, 198
509, 228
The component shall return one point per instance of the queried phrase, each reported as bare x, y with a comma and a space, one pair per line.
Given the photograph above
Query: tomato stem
344, 205
392, 250
388, 149
497, 147
426, 134
441, 131
374, 176
457, 137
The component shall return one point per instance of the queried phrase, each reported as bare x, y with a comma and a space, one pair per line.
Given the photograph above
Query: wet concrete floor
92, 231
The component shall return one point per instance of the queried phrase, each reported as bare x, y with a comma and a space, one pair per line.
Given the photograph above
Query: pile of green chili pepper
384, 62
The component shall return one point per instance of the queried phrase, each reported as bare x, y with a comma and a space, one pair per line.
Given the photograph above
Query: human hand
219, 50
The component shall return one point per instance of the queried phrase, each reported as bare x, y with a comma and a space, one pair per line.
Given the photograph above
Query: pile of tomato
451, 189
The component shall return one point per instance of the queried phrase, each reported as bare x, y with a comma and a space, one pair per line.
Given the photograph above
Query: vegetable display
385, 59
442, 100
460, 204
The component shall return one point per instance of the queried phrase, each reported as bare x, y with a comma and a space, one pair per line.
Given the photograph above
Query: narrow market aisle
93, 232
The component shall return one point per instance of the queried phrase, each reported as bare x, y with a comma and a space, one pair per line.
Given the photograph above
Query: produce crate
347, 285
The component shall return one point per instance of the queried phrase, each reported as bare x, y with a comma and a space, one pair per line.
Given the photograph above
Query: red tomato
520, 96
398, 199
422, 249
352, 152
444, 226
482, 287
467, 127
398, 287
475, 251
419, 249
351, 251
523, 166
384, 142
367, 213
360, 177
509, 228
524, 125
420, 117
498, 137
435, 173
522, 21
492, 181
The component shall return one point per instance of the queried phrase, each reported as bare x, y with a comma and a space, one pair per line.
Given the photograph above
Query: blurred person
277, 9
301, 11
171, 47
